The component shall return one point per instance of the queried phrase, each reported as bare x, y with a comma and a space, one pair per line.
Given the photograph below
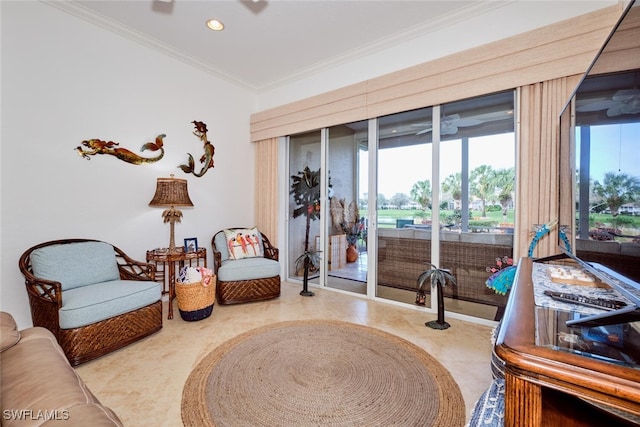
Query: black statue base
435, 325
306, 293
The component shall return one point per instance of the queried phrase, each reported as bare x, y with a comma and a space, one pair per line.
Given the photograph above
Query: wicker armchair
245, 280
48, 298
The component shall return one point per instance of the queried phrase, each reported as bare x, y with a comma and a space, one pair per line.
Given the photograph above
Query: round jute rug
320, 372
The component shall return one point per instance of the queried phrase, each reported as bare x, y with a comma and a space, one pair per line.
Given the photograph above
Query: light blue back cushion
221, 245
76, 264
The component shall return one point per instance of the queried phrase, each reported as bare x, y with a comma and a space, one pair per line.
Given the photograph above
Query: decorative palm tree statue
437, 277
305, 189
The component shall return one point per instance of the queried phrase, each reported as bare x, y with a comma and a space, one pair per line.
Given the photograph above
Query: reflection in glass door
346, 228
304, 217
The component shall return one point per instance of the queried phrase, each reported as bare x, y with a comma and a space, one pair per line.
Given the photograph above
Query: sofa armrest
38, 384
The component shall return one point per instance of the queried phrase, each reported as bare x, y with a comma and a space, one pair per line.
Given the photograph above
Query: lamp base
172, 215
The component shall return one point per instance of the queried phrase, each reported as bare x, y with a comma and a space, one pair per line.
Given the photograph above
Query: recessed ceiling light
215, 25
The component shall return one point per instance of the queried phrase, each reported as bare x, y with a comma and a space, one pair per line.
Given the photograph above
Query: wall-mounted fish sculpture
207, 157
91, 147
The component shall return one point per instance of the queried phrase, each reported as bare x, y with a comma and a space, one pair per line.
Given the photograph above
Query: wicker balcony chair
254, 278
92, 303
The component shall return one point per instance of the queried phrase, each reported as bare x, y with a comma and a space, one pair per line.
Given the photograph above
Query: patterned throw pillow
244, 243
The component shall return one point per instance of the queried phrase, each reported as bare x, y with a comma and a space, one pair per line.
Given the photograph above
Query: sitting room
145, 148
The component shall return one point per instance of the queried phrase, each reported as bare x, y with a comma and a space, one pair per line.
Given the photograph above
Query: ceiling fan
625, 101
449, 124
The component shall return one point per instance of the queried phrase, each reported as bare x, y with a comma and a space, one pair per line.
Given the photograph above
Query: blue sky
614, 148
400, 168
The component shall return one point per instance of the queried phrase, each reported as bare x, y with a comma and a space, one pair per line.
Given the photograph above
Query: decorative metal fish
502, 280
91, 147
207, 157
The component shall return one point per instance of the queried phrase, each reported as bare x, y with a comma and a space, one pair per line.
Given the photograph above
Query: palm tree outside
421, 194
616, 190
483, 185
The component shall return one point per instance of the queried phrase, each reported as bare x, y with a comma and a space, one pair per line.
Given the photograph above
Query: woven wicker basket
195, 302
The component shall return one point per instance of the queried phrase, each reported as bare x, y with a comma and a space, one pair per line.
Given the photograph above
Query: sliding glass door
304, 208
446, 180
428, 186
404, 203
346, 226
476, 179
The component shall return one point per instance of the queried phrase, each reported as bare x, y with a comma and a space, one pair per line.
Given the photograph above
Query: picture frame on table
191, 244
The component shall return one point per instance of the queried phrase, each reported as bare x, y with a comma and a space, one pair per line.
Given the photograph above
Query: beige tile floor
143, 382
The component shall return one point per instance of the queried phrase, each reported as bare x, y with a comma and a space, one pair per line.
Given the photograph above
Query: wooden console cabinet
546, 386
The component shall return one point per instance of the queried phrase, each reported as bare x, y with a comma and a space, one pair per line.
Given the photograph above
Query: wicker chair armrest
131, 269
217, 261
44, 291
270, 251
217, 255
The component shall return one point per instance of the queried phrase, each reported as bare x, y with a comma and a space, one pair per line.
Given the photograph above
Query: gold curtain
539, 168
266, 214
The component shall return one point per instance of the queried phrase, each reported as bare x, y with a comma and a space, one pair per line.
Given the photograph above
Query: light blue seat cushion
85, 305
248, 269
75, 264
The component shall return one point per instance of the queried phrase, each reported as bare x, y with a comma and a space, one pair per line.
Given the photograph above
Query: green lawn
387, 217
623, 221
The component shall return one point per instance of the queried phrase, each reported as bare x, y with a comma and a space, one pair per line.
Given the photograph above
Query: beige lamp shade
171, 192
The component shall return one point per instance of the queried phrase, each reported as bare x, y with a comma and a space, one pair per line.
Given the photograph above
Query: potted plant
437, 277
347, 218
305, 189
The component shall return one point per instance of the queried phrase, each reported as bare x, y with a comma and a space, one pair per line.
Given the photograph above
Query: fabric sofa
38, 385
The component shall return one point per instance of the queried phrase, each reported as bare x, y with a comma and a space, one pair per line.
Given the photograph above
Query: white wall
65, 80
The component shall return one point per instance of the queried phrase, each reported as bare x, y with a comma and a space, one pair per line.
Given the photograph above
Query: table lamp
171, 192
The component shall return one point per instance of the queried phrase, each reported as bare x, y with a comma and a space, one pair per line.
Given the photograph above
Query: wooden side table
166, 261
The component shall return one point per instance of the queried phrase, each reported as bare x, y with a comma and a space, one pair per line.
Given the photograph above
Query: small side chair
246, 265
